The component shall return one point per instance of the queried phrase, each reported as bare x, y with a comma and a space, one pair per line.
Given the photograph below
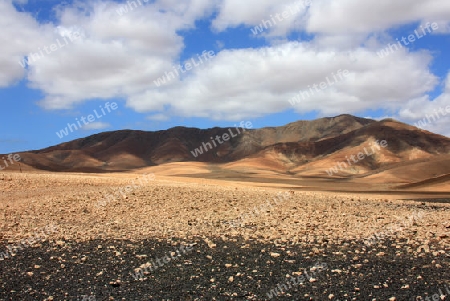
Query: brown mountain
302, 148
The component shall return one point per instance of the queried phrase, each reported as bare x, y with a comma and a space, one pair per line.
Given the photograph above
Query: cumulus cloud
121, 55
355, 16
330, 17
432, 115
233, 13
116, 55
21, 34
252, 83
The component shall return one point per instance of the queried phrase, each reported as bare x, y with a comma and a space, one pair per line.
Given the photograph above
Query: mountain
302, 148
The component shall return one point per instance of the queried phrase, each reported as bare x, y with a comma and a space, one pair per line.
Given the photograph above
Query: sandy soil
158, 207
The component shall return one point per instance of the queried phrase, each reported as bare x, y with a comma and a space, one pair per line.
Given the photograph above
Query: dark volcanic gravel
101, 270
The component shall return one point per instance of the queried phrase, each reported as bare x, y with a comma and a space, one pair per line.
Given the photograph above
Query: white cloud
121, 56
435, 114
117, 56
96, 126
220, 44
344, 17
250, 83
20, 35
354, 16
443, 26
233, 13
158, 117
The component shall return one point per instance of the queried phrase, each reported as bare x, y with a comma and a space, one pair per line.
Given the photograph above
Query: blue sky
100, 52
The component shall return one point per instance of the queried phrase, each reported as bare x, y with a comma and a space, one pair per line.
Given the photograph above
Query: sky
70, 69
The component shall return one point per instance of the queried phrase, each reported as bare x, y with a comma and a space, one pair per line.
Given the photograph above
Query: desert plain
124, 236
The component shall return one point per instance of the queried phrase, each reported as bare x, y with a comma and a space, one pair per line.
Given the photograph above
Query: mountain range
344, 146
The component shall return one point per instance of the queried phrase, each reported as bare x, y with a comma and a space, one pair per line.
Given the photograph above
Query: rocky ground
84, 237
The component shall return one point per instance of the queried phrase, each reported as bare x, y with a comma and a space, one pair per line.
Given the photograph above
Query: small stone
392, 299
231, 279
37, 266
330, 296
275, 255
228, 265
336, 271
425, 248
116, 283
30, 274
210, 244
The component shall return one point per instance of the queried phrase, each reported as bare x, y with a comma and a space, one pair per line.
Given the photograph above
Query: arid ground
251, 237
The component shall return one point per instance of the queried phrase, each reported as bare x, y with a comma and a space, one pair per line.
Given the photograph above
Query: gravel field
76, 237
